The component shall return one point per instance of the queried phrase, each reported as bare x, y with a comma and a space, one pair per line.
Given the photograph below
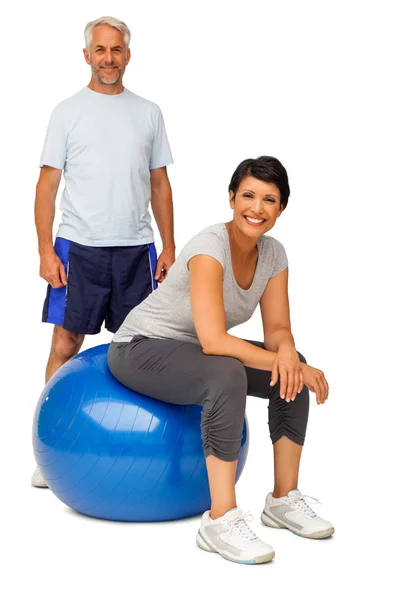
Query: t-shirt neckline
98, 94
231, 267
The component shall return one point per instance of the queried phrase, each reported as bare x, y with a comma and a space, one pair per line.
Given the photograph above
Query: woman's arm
278, 336
209, 316
275, 312
210, 322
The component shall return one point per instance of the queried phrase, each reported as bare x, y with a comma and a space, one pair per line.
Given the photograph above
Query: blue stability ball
108, 452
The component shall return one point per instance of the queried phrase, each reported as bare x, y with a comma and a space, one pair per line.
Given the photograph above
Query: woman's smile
254, 221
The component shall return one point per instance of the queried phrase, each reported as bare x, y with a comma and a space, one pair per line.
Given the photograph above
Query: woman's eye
247, 195
270, 200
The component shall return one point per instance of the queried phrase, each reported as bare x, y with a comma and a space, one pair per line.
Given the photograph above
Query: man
113, 149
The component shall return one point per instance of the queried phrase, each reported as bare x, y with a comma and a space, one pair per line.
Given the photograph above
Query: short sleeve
160, 151
280, 259
207, 243
54, 151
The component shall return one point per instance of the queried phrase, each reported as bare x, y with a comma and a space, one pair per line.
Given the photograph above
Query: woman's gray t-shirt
167, 314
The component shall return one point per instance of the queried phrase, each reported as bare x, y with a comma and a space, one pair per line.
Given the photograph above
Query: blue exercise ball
111, 453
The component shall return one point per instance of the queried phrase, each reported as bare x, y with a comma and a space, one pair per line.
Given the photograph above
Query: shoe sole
317, 535
207, 546
39, 485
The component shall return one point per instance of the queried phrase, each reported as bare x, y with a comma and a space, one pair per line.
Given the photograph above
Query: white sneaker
232, 538
292, 512
38, 479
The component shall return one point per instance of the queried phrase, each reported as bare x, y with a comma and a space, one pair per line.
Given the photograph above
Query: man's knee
66, 344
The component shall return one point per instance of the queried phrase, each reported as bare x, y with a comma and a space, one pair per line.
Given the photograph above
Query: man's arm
162, 207
51, 268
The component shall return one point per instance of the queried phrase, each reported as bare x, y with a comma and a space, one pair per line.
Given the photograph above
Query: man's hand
52, 269
164, 263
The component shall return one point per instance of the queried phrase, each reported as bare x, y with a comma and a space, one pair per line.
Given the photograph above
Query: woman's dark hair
265, 168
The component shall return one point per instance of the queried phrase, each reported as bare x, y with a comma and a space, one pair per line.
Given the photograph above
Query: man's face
108, 54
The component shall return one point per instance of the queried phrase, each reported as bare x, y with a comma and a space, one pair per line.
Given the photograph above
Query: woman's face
256, 206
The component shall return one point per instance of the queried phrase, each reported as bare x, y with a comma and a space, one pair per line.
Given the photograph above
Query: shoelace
239, 526
301, 505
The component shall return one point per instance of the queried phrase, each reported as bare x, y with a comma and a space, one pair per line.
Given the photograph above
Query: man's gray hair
112, 22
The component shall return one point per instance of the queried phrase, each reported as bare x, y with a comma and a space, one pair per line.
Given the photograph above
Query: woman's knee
227, 383
233, 370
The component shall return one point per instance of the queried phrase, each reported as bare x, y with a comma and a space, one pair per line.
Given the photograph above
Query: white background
315, 84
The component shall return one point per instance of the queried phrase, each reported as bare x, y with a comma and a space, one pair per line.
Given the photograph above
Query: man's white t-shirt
106, 145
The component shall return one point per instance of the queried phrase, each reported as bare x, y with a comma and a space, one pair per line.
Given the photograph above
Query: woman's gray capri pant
180, 373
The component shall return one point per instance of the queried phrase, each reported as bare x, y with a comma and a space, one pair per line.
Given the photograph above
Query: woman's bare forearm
249, 355
278, 337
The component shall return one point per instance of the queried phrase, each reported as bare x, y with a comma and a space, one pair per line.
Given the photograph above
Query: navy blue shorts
104, 284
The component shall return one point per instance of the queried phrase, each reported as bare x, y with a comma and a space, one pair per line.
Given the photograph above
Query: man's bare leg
64, 346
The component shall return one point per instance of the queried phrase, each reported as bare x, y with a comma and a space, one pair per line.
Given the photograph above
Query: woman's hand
315, 380
287, 366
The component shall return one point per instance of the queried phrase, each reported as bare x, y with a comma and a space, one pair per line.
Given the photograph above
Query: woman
175, 347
